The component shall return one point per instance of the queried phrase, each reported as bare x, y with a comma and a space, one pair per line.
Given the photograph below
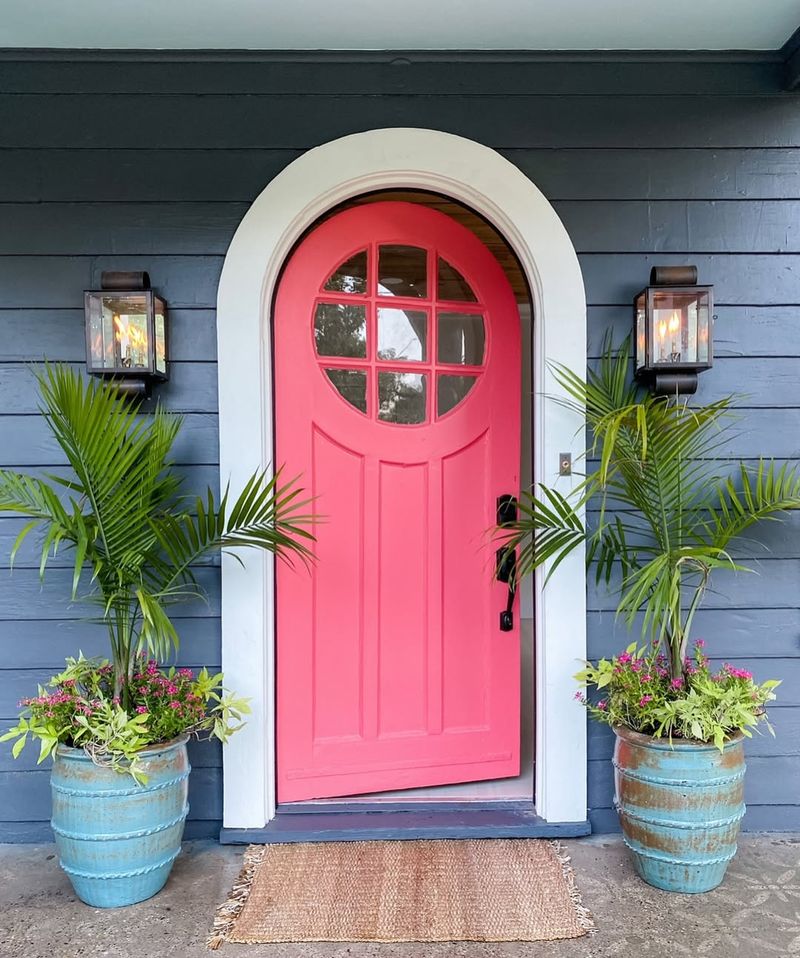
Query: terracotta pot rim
79, 754
649, 741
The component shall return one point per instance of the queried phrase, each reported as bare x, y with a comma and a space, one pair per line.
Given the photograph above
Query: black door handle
506, 562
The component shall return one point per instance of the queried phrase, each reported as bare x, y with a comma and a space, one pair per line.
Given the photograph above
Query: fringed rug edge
585, 918
227, 913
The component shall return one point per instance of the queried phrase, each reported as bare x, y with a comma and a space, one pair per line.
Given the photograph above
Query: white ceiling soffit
399, 24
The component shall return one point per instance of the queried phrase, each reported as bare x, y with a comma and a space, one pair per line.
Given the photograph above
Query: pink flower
141, 709
737, 673
647, 678
624, 658
677, 683
172, 688
645, 699
602, 705
174, 704
186, 673
700, 644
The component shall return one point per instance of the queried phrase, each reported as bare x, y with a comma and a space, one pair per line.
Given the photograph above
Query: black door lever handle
506, 562
507, 615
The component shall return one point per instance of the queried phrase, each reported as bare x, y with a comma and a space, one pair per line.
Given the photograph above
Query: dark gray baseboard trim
504, 821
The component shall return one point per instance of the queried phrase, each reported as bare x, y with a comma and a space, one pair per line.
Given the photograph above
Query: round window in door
397, 394
399, 333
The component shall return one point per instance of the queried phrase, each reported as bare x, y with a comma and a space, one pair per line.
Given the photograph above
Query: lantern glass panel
160, 333
640, 306
119, 334
679, 327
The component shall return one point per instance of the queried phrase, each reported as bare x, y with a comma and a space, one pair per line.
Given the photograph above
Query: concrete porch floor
755, 912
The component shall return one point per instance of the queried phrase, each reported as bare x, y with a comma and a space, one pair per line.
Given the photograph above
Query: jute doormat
477, 890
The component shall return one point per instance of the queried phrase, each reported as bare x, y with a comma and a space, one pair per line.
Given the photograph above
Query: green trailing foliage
668, 507
134, 538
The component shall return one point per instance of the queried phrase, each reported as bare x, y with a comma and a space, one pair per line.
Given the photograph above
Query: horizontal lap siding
646, 163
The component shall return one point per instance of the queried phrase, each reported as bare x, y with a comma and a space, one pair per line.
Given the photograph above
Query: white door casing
314, 183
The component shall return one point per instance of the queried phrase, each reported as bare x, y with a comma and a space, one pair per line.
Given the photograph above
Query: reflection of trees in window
341, 330
351, 276
402, 334
401, 397
351, 384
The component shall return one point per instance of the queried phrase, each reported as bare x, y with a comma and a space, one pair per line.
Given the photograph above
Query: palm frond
122, 513
667, 511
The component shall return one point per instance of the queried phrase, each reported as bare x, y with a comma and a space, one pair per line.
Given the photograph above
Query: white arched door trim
293, 201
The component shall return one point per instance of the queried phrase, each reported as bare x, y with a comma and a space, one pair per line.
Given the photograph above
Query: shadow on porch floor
757, 911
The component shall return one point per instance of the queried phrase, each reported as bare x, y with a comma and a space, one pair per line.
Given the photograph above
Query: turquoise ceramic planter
680, 807
117, 840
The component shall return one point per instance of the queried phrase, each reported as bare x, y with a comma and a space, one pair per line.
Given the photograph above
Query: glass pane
161, 338
679, 331
402, 271
452, 284
450, 390
351, 276
351, 384
402, 397
119, 332
641, 340
703, 320
402, 334
101, 333
461, 338
341, 330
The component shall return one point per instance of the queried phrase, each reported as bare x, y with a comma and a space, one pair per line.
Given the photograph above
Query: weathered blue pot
117, 840
680, 806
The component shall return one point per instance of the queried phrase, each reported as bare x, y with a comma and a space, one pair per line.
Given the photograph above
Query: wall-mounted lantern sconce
673, 326
126, 332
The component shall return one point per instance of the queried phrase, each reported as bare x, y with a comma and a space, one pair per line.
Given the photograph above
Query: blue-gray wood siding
151, 165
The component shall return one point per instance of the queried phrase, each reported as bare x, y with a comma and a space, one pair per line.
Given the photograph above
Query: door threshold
403, 823
348, 806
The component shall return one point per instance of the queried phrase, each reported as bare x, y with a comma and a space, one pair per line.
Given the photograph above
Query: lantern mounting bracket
124, 279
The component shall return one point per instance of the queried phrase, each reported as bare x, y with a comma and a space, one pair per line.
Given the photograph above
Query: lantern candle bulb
674, 332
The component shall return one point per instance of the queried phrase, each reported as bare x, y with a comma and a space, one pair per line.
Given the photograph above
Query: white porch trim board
314, 183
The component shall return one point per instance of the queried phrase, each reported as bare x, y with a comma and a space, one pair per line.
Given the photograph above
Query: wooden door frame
314, 183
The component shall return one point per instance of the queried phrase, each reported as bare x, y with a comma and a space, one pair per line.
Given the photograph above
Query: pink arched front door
397, 396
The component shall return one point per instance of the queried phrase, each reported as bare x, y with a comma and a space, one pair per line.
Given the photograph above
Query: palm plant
122, 515
668, 505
